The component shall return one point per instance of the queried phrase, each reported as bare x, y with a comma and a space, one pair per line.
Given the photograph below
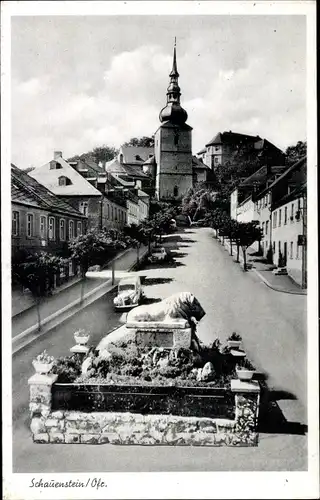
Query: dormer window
54, 165
64, 181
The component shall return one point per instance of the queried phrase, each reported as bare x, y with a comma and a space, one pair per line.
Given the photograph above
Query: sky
78, 82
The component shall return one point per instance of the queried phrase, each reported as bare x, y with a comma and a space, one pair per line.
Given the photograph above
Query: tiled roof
262, 175
196, 163
130, 153
265, 145
26, 190
135, 170
285, 174
142, 194
203, 150
150, 161
115, 167
50, 178
298, 192
232, 137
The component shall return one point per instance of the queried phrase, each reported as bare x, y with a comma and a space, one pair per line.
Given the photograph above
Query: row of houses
276, 197
62, 199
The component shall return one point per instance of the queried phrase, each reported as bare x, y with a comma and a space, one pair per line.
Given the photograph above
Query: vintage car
129, 293
158, 254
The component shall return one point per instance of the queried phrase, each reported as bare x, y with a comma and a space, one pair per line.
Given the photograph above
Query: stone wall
61, 426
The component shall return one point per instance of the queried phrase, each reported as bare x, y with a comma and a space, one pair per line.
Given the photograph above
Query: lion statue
180, 305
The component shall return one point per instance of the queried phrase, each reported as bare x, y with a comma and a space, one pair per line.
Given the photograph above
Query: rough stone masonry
126, 428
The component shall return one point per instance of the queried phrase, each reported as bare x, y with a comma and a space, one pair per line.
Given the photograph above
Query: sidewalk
53, 304
280, 283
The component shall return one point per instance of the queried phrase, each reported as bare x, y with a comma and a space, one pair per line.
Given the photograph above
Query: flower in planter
245, 364
43, 363
245, 370
81, 336
44, 358
234, 340
81, 333
235, 337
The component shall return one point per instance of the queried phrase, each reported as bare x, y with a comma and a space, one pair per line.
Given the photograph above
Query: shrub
246, 364
235, 336
67, 368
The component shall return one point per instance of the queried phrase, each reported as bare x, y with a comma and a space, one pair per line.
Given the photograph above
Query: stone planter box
144, 399
143, 415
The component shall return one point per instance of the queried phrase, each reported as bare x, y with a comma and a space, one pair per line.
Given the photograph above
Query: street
274, 332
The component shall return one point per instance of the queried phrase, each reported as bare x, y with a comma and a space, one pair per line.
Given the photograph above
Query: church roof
182, 126
173, 111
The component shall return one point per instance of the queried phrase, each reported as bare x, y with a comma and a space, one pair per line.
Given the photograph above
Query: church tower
173, 154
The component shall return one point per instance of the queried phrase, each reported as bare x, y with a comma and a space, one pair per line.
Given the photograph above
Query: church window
176, 137
175, 191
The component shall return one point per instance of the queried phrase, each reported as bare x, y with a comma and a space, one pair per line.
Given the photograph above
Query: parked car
199, 223
129, 293
172, 225
182, 221
158, 254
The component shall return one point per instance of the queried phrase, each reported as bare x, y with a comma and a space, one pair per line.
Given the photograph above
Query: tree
36, 273
98, 154
198, 202
137, 235
143, 142
242, 163
295, 153
247, 234
90, 249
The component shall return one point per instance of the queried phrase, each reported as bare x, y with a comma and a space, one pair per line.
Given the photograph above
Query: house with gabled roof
276, 197
40, 219
113, 205
221, 148
82, 186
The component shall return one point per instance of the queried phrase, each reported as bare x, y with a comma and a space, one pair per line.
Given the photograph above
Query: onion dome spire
173, 111
174, 71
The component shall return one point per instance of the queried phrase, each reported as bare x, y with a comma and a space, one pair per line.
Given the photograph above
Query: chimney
57, 155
